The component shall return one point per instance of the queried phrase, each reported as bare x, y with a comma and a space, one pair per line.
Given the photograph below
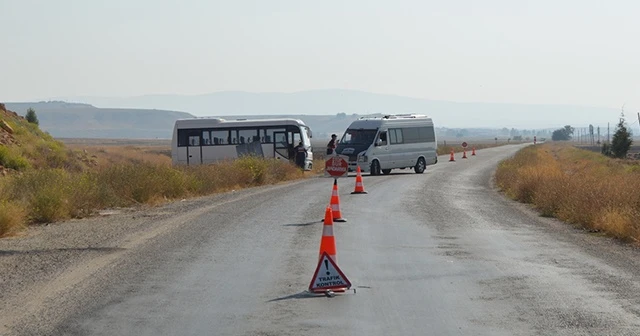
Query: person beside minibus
331, 146
301, 155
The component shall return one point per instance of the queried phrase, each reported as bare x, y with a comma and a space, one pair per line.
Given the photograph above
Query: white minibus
207, 140
379, 145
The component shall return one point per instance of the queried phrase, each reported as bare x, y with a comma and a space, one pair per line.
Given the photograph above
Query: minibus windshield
358, 136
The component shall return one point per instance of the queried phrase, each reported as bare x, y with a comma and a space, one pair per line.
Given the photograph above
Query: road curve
441, 253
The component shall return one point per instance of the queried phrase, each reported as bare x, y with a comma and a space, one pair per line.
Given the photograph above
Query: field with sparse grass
51, 180
577, 186
49, 195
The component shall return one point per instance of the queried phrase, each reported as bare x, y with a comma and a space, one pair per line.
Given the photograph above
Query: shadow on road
301, 295
59, 250
303, 224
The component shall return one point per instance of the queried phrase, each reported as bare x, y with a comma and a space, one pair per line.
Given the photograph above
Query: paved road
435, 254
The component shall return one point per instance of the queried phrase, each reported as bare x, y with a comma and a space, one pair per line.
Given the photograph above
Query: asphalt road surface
442, 253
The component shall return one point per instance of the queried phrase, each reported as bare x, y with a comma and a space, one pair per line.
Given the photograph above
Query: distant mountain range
325, 111
332, 102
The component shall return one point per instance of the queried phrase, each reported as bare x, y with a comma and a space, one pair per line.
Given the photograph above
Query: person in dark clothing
301, 155
291, 152
331, 146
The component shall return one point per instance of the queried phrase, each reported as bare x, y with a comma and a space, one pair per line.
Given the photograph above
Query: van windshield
358, 136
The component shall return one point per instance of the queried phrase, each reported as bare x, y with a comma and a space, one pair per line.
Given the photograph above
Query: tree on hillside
32, 117
562, 134
621, 142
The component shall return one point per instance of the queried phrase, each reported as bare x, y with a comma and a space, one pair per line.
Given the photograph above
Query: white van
379, 145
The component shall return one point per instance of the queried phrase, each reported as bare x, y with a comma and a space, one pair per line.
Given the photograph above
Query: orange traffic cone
328, 278
452, 159
359, 186
464, 153
473, 151
335, 203
328, 242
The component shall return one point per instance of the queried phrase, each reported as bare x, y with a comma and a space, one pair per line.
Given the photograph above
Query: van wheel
386, 171
375, 167
420, 166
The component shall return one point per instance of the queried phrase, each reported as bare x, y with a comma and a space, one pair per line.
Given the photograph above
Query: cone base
341, 220
323, 291
359, 192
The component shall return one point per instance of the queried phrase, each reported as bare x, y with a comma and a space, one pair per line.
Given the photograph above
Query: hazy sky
555, 52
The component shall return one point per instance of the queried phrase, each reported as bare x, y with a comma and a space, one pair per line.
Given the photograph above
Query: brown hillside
6, 132
6, 138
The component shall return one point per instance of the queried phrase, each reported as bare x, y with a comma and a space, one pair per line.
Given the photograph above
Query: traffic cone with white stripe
464, 153
328, 278
452, 157
334, 204
359, 186
328, 242
473, 151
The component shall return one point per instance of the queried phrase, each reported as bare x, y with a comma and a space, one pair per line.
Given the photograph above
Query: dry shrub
519, 175
620, 223
12, 218
550, 193
576, 186
45, 192
280, 170
208, 179
50, 195
128, 183
243, 172
255, 169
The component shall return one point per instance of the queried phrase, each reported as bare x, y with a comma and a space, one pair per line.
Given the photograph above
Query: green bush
46, 193
10, 159
32, 117
255, 167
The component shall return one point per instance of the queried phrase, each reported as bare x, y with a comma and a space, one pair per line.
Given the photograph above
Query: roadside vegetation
578, 186
42, 181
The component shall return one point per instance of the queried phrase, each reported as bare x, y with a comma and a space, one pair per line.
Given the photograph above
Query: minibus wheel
375, 167
420, 166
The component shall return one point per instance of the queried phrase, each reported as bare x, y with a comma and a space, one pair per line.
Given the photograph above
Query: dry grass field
577, 186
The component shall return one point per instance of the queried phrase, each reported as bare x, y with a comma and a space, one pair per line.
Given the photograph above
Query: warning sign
328, 276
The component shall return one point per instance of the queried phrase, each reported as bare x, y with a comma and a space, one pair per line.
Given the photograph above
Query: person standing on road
331, 146
301, 155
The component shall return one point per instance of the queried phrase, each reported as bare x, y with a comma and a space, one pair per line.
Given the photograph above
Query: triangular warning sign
328, 276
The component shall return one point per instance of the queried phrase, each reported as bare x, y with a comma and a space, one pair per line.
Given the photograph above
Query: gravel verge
46, 261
